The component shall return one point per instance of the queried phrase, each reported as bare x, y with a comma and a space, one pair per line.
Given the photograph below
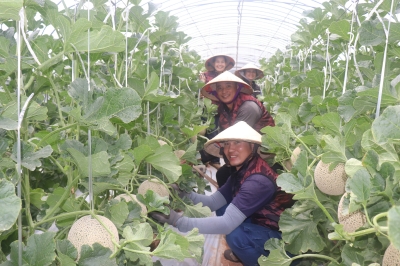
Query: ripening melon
179, 153
132, 197
154, 185
352, 221
289, 163
330, 182
161, 142
202, 132
391, 256
87, 231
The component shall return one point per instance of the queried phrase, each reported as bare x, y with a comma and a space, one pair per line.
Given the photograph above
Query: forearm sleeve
214, 201
224, 225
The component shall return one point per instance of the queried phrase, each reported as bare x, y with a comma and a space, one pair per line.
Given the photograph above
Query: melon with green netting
330, 182
153, 185
352, 221
87, 230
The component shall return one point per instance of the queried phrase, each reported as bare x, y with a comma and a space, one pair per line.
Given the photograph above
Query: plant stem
65, 215
29, 83
26, 187
51, 61
138, 251
59, 202
58, 101
55, 132
315, 256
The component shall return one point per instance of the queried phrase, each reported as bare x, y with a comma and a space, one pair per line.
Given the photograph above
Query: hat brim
240, 73
230, 62
209, 88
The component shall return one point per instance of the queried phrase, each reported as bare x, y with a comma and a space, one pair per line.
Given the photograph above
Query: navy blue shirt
256, 191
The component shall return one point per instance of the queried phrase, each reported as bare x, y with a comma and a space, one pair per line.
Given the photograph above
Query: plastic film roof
247, 30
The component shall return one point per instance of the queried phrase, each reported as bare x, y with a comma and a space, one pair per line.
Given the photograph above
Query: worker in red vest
235, 103
250, 199
249, 73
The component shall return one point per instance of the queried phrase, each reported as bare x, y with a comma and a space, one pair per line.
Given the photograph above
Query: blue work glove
170, 219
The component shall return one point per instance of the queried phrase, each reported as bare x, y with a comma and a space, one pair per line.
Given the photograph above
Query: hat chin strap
251, 155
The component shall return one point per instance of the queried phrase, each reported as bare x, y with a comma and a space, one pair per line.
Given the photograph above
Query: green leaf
154, 202
29, 158
99, 163
331, 123
99, 256
371, 33
39, 250
360, 186
119, 213
34, 112
168, 248
10, 205
141, 234
10, 9
277, 255
341, 28
65, 247
196, 244
301, 232
8, 124
123, 103
314, 79
165, 161
335, 148
197, 211
292, 184
393, 224
387, 125
141, 152
105, 40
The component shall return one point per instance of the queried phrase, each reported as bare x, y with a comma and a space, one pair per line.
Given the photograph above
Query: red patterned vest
228, 117
269, 215
209, 75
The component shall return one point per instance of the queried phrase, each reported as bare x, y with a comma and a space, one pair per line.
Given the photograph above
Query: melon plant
155, 186
293, 158
132, 197
351, 221
87, 230
391, 256
330, 182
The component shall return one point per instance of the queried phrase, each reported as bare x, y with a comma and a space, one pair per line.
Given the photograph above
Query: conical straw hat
240, 72
209, 89
230, 62
240, 131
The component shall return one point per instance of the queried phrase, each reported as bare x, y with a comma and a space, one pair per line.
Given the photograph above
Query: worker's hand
170, 219
181, 193
202, 77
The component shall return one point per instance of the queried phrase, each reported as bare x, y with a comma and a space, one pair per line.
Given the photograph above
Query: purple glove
181, 193
170, 219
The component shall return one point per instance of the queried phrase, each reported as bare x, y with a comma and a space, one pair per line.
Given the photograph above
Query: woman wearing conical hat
249, 73
216, 65
251, 202
235, 103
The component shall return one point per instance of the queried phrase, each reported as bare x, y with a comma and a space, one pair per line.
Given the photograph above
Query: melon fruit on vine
154, 185
352, 221
330, 182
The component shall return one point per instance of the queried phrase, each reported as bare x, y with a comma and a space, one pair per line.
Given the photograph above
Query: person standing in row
249, 73
215, 65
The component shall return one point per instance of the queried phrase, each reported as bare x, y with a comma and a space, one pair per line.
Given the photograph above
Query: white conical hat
240, 72
230, 62
225, 76
239, 131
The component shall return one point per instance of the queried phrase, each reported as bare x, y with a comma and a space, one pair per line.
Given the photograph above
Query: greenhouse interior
182, 132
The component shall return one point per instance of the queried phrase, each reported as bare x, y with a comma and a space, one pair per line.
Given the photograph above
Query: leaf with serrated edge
10, 205
393, 225
165, 161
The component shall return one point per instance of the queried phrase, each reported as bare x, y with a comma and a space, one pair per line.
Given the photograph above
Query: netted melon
330, 182
391, 256
161, 142
352, 221
154, 185
295, 155
179, 153
87, 230
131, 197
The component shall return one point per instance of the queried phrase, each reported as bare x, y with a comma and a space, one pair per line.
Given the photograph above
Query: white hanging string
19, 137
327, 65
239, 25
349, 48
381, 83
90, 174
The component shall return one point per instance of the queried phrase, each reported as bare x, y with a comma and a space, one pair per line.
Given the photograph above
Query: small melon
295, 155
391, 256
131, 197
87, 231
154, 185
161, 142
179, 153
331, 183
193, 139
352, 221
202, 132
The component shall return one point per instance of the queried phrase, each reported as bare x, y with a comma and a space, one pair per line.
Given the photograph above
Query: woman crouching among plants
250, 200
